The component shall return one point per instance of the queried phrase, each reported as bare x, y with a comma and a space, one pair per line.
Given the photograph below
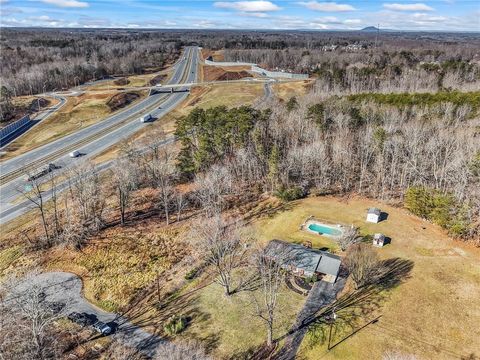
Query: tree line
35, 61
338, 146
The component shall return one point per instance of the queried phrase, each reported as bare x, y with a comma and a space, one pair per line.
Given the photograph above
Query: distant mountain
370, 29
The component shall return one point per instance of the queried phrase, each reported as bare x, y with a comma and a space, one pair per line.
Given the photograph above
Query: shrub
290, 194
175, 325
191, 274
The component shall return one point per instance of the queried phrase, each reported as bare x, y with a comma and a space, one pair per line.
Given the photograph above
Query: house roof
329, 264
304, 258
297, 255
375, 211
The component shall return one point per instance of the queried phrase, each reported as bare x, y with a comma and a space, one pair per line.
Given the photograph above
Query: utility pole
332, 319
158, 286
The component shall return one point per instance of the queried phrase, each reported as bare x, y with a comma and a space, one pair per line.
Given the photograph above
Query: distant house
378, 240
304, 261
373, 215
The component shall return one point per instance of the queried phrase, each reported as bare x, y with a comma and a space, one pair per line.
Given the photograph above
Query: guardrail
8, 130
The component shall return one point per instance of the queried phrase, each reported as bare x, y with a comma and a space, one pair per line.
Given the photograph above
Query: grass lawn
434, 314
227, 327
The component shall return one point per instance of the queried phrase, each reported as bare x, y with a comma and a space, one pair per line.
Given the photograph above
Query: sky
449, 15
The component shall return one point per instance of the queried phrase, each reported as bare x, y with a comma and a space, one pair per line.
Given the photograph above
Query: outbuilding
378, 240
373, 215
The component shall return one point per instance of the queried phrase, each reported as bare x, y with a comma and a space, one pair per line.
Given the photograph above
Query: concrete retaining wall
222, 63
259, 70
278, 74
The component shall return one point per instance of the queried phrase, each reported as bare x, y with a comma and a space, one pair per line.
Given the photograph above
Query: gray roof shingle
304, 258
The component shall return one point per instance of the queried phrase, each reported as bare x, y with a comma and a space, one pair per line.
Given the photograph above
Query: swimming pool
324, 229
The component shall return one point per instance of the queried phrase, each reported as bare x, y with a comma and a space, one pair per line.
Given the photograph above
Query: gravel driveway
65, 288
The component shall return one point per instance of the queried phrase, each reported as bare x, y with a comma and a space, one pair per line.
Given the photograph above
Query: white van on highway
145, 118
74, 154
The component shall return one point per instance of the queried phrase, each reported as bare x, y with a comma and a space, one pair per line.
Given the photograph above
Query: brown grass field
285, 91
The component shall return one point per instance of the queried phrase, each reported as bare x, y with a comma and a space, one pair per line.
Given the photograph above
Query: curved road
66, 288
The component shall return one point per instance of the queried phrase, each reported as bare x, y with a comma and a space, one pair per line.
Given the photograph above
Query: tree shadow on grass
353, 310
357, 307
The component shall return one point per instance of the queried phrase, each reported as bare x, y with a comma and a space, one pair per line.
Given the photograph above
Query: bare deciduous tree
349, 237
221, 246
34, 192
27, 322
269, 270
124, 181
362, 263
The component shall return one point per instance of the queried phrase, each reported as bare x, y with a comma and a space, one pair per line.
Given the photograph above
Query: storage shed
373, 215
378, 240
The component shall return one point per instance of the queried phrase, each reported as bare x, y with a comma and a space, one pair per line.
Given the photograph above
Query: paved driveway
322, 294
63, 287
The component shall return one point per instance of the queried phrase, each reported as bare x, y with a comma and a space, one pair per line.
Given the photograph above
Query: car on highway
146, 118
102, 328
74, 154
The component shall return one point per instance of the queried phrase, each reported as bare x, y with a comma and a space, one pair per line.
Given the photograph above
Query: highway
95, 138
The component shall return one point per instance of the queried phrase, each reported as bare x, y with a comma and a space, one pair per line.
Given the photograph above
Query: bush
290, 194
191, 274
175, 325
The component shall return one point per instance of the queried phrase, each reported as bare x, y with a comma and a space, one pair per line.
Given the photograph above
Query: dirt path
65, 288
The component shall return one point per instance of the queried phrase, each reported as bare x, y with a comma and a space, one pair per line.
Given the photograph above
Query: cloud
67, 3
327, 6
248, 6
255, 14
408, 7
427, 18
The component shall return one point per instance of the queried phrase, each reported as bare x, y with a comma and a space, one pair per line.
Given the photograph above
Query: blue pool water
324, 229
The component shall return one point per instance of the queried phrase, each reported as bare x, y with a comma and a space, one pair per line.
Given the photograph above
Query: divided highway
95, 138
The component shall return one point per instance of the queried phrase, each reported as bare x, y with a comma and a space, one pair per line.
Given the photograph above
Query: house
379, 240
373, 215
304, 261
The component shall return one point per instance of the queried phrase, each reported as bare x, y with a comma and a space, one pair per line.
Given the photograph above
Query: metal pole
332, 320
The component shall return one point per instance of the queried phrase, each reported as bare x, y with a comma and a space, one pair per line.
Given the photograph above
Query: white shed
378, 240
373, 215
